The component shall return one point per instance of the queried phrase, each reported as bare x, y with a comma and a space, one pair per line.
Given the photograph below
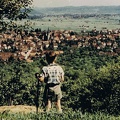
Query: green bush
96, 90
92, 82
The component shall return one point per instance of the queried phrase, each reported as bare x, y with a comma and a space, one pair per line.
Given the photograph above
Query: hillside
77, 10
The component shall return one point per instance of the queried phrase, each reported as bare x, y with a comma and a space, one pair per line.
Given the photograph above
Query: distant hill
77, 10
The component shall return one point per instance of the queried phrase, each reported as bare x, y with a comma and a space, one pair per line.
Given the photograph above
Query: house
55, 45
117, 50
5, 55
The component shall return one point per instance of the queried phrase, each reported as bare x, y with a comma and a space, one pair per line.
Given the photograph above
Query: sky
62, 3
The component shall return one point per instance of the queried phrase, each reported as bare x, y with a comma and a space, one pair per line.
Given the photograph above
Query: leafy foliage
92, 82
13, 9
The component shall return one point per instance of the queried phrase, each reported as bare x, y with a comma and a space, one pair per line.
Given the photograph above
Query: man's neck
52, 63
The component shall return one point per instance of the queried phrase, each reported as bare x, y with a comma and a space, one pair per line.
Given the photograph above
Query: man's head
51, 56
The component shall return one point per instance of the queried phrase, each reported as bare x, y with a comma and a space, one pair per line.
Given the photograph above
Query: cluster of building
26, 45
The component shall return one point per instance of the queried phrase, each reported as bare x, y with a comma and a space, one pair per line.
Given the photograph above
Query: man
52, 75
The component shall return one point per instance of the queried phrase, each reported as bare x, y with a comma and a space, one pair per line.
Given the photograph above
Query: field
67, 23
28, 113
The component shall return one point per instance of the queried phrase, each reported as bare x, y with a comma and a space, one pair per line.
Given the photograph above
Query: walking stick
37, 96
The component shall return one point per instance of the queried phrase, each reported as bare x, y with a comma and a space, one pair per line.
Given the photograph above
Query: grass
59, 23
69, 115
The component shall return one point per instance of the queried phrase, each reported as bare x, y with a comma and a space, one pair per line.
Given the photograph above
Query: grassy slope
22, 112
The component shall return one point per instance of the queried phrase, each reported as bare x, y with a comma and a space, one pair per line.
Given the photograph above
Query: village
27, 45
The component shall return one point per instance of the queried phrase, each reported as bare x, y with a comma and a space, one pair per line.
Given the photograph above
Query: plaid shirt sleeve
44, 72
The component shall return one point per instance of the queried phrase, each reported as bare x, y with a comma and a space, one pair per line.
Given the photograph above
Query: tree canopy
13, 9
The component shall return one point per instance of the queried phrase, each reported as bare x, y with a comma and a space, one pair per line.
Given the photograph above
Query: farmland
77, 25
75, 18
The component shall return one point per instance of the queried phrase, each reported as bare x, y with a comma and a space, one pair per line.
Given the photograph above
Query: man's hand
41, 78
37, 75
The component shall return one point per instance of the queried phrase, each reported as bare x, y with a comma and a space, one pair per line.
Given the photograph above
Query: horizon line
78, 6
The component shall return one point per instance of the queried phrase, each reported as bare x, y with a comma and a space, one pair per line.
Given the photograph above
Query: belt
52, 84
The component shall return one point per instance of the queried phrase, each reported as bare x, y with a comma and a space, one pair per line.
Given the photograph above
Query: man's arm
62, 78
62, 74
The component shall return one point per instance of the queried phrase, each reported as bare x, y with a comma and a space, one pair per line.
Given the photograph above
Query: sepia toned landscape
88, 38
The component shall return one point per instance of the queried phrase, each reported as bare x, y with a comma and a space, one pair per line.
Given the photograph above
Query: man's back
53, 73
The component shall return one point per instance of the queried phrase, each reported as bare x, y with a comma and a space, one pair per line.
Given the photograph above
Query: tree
13, 9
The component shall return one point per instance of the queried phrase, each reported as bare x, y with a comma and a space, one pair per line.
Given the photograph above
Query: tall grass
68, 115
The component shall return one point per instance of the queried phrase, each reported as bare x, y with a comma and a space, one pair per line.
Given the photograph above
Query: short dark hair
50, 56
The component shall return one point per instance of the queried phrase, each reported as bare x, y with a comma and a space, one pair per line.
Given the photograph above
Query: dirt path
18, 109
